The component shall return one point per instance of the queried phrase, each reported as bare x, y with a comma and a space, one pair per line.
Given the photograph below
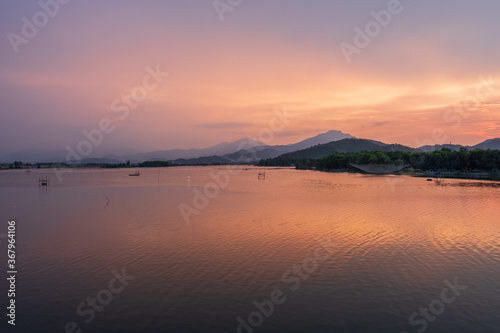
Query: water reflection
397, 243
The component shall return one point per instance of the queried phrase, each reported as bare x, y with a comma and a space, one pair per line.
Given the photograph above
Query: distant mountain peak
335, 132
330, 136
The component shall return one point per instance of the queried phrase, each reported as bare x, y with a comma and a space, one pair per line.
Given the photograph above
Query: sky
164, 74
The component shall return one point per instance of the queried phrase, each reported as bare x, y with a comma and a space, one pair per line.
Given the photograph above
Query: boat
380, 169
43, 181
137, 173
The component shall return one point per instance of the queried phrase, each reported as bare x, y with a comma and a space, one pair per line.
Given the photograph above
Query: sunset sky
226, 76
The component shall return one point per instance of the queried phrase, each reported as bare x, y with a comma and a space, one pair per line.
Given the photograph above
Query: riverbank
455, 175
489, 176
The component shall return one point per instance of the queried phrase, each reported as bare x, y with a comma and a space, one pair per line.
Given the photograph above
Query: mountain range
230, 152
353, 145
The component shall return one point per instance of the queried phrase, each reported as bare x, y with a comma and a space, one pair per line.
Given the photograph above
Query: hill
342, 146
439, 147
488, 144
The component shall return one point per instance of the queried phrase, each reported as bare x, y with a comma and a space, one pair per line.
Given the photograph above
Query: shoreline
458, 175
441, 175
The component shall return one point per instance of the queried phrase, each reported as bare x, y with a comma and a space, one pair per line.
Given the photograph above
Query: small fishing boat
380, 169
137, 173
43, 181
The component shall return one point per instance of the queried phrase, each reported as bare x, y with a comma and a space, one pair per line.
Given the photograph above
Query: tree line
127, 164
444, 159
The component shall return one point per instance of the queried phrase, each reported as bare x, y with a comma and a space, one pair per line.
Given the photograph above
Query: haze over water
395, 239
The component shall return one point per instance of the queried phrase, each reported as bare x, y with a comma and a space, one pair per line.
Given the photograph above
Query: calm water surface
390, 242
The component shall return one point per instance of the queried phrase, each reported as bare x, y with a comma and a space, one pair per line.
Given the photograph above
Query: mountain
99, 161
261, 152
488, 144
244, 150
318, 146
354, 145
343, 146
233, 152
429, 148
173, 154
327, 137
